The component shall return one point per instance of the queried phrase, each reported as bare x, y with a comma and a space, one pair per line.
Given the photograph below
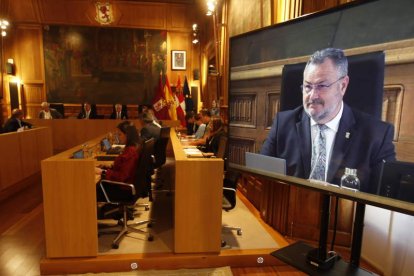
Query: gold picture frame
178, 60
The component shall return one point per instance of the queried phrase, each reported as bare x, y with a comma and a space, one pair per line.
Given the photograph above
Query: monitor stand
316, 261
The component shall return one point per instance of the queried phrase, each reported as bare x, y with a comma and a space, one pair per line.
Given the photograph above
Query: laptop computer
111, 149
106, 145
78, 154
265, 163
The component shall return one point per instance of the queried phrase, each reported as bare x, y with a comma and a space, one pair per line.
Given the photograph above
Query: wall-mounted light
195, 34
211, 7
3, 26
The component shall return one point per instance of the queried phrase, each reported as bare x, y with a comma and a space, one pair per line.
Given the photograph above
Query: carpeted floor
219, 271
254, 235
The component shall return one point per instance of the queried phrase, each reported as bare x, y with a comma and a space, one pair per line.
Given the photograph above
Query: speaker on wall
196, 74
14, 95
10, 68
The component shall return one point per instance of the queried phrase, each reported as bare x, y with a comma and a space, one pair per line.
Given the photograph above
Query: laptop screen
265, 163
106, 145
78, 154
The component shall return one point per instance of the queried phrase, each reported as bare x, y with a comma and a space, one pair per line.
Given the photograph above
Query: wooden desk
198, 200
68, 133
21, 153
69, 199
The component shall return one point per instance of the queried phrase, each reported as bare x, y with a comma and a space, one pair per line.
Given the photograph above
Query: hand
98, 171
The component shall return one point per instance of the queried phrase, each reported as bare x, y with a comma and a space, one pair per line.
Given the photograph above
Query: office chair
126, 194
160, 148
160, 157
229, 187
229, 199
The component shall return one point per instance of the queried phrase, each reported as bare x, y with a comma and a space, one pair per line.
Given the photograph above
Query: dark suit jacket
362, 142
150, 130
55, 114
92, 115
12, 125
124, 115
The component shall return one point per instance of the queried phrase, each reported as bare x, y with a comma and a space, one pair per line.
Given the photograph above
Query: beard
317, 116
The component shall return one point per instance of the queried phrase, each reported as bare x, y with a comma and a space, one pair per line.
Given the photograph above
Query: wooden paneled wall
24, 41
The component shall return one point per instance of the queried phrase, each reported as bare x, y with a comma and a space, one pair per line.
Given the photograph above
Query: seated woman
125, 165
216, 131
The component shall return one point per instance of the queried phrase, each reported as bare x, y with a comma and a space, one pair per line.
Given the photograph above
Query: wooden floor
22, 239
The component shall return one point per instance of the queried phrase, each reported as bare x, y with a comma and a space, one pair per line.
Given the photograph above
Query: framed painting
178, 60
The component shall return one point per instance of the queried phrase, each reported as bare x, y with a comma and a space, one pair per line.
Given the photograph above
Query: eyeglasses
307, 88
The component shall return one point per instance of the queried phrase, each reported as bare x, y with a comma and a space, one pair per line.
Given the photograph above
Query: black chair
230, 199
160, 148
229, 187
160, 157
60, 107
125, 195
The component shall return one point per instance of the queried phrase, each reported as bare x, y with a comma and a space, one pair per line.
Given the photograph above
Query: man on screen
324, 136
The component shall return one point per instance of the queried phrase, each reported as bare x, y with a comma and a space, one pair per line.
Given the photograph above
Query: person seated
49, 113
191, 125
123, 169
205, 119
125, 165
142, 108
149, 128
151, 111
201, 127
215, 109
88, 111
216, 131
119, 112
15, 122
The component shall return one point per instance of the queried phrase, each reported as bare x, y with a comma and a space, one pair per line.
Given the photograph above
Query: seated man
87, 112
149, 128
201, 136
201, 127
324, 136
15, 122
191, 125
119, 112
48, 113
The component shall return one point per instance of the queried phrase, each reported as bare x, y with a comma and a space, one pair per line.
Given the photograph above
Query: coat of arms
104, 13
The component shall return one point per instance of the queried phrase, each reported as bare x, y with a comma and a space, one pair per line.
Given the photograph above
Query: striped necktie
318, 162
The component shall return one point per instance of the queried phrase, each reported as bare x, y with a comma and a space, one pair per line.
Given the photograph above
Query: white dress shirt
330, 133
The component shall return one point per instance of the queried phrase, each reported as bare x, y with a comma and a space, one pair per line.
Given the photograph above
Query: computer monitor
78, 154
397, 180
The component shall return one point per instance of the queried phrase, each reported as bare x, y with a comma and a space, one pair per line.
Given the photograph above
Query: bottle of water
350, 180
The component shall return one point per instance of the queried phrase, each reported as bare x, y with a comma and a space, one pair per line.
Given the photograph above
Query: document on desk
193, 152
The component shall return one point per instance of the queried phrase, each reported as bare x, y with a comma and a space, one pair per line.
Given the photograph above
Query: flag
170, 99
189, 104
181, 103
159, 103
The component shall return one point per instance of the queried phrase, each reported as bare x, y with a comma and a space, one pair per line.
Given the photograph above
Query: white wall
388, 241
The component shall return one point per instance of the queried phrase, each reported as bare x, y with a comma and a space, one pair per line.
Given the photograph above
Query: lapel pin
347, 134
